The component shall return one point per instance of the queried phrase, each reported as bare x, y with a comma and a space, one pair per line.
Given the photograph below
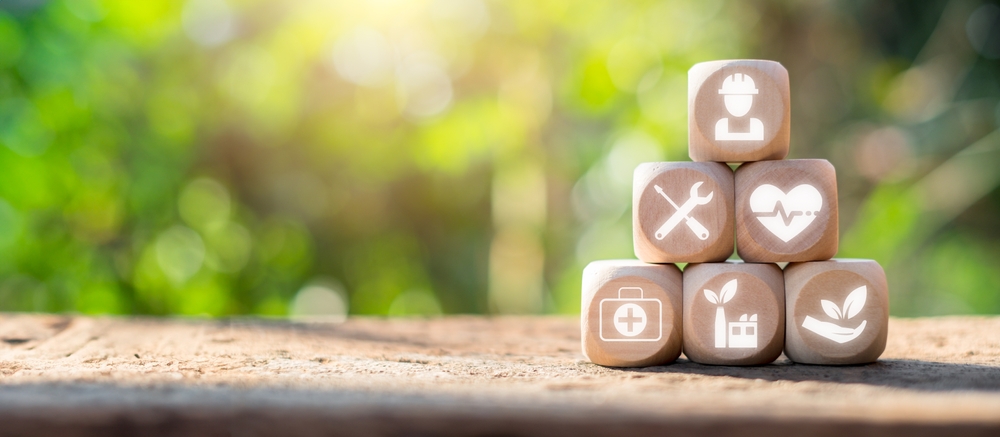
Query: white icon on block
741, 334
853, 305
738, 91
632, 319
786, 215
683, 212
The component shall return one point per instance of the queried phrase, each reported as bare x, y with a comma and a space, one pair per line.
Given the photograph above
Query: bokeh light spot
881, 151
983, 30
469, 17
424, 86
415, 303
180, 253
228, 248
322, 300
209, 22
204, 203
363, 57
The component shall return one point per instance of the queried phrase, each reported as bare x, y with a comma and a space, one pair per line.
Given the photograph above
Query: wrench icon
682, 213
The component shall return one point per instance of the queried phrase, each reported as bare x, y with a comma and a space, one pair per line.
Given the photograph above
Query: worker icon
738, 90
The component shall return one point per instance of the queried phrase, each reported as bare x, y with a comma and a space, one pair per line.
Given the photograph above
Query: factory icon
734, 335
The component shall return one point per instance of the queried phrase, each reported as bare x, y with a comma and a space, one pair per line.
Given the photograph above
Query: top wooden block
738, 111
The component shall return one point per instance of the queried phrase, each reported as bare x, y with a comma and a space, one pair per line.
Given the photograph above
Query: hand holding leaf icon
853, 305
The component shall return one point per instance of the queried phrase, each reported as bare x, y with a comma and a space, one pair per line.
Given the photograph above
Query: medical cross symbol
630, 320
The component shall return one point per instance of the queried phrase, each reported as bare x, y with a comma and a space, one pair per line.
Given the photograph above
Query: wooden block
838, 311
682, 212
786, 211
738, 111
734, 313
631, 313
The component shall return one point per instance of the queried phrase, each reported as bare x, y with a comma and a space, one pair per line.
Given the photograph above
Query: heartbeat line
779, 211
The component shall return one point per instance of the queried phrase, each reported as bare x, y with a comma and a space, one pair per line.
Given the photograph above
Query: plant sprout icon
853, 305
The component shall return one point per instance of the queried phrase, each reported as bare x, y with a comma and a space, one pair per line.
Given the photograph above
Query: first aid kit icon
631, 318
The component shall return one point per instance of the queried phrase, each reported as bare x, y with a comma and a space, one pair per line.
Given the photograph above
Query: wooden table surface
76, 376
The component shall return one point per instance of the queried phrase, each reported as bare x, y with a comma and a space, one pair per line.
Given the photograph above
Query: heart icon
798, 209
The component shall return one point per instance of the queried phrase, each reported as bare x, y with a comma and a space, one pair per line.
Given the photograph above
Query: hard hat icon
737, 92
738, 84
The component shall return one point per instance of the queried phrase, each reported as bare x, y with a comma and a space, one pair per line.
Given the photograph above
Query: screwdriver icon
683, 212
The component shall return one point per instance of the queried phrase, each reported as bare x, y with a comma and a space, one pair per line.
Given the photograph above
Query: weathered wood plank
459, 375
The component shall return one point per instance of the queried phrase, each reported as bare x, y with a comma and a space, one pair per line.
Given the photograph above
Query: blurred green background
456, 156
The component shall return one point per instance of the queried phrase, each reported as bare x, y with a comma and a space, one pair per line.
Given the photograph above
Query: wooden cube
786, 211
631, 313
837, 311
738, 111
734, 313
682, 212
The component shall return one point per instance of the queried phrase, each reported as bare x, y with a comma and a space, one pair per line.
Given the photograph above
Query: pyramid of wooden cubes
817, 309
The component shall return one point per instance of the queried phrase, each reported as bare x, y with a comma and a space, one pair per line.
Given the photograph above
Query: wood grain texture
655, 289
758, 290
650, 211
79, 376
808, 284
817, 241
769, 107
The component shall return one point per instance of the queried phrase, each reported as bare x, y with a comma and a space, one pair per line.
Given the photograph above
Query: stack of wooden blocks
817, 310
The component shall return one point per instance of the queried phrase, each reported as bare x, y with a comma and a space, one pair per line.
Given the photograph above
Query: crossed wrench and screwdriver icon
682, 213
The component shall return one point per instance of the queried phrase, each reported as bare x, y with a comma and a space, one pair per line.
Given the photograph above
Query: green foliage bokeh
424, 157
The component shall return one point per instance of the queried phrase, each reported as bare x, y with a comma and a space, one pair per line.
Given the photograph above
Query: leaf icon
855, 301
710, 295
831, 309
727, 292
